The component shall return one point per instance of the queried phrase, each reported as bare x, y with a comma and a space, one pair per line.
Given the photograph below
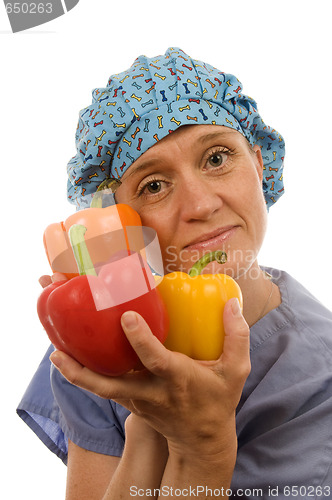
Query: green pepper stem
81, 253
218, 255
109, 184
97, 201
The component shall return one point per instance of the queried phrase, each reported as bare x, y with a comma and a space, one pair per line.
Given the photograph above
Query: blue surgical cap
154, 97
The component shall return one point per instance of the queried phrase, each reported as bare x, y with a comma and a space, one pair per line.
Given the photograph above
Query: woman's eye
216, 159
154, 187
151, 187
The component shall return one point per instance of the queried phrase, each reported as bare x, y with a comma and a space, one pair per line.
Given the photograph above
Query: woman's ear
259, 160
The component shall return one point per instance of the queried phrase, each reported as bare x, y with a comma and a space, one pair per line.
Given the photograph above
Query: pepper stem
218, 255
81, 253
108, 183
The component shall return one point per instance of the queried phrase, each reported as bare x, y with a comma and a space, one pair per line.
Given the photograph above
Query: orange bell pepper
109, 231
195, 303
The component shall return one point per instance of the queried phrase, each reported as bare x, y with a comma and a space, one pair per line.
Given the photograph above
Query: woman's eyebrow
212, 136
144, 166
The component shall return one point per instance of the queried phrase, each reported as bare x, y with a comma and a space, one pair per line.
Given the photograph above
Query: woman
197, 162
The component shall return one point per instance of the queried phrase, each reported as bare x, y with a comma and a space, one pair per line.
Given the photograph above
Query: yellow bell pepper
195, 303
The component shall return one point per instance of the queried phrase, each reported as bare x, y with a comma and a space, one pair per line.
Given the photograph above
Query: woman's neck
260, 294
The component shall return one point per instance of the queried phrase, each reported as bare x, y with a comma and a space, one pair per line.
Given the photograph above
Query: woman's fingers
124, 387
154, 356
235, 359
46, 280
58, 277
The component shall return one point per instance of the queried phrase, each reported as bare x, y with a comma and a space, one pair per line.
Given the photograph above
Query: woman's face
200, 188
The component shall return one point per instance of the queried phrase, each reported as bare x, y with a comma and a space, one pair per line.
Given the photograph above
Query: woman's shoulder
301, 325
300, 305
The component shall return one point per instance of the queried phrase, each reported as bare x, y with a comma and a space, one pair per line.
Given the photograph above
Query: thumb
151, 352
236, 352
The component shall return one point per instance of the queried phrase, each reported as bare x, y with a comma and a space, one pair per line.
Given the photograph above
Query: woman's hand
139, 432
46, 280
142, 464
191, 403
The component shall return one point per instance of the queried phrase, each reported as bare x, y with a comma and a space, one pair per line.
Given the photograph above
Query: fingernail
55, 359
129, 320
44, 281
236, 310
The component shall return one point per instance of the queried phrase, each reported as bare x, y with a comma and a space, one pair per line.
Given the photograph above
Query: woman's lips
212, 241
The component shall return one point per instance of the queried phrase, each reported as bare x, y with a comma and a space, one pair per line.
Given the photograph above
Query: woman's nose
199, 200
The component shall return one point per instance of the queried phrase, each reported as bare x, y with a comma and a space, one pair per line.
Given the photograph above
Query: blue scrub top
284, 418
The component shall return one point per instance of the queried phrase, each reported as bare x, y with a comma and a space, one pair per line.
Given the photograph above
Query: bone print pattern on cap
154, 97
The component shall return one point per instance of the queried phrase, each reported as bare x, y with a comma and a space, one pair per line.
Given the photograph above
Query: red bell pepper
82, 316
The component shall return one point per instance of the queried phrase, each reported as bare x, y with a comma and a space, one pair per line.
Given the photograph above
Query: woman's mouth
213, 240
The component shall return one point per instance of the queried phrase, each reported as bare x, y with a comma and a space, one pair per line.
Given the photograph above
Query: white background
281, 51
